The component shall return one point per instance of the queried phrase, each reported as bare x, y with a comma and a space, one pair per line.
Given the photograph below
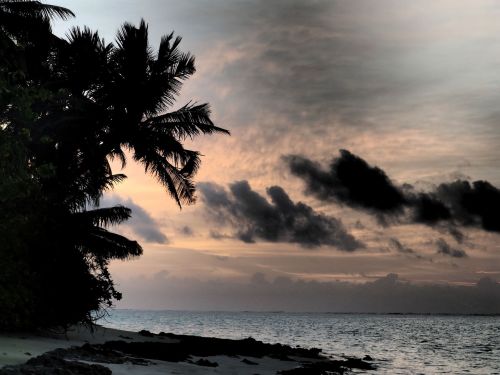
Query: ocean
399, 344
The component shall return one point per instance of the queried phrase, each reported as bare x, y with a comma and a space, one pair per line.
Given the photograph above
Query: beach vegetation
68, 108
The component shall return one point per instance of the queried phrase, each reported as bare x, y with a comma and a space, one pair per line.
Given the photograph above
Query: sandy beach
106, 351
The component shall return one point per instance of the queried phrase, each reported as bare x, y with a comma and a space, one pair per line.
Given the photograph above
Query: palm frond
31, 8
86, 189
133, 48
84, 62
189, 121
117, 153
179, 186
192, 166
185, 161
168, 70
104, 217
85, 35
108, 245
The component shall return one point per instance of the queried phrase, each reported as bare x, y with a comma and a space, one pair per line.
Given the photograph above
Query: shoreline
313, 312
107, 350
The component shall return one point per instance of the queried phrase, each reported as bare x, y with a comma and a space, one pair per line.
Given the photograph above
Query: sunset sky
412, 88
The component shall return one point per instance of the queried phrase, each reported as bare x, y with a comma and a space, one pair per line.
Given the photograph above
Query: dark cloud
445, 249
359, 225
141, 223
254, 218
427, 209
388, 294
319, 59
473, 204
186, 231
216, 235
352, 181
456, 234
399, 247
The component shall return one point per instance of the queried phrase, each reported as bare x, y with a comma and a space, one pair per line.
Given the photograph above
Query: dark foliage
68, 107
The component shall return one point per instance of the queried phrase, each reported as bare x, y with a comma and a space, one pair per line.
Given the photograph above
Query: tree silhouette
78, 104
125, 91
25, 33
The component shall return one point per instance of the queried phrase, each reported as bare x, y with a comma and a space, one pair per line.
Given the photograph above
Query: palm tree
25, 28
90, 102
26, 41
121, 93
12, 11
21, 20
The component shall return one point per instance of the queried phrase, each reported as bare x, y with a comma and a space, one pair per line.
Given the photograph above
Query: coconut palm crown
119, 97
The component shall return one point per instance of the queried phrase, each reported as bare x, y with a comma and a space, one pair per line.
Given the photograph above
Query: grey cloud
473, 204
387, 294
456, 234
141, 223
399, 247
216, 235
314, 61
254, 218
352, 181
445, 249
339, 70
349, 180
186, 231
318, 60
359, 225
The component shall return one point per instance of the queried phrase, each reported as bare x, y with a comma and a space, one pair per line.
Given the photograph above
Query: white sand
227, 366
18, 348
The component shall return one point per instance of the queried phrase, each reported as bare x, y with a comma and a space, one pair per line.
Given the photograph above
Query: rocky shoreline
148, 349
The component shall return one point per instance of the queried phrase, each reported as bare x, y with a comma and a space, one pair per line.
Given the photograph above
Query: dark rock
280, 356
248, 362
328, 367
65, 361
303, 371
146, 333
206, 363
205, 347
367, 358
358, 363
163, 334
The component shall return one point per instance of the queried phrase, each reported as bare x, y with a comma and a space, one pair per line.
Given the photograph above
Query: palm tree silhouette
78, 104
121, 94
25, 29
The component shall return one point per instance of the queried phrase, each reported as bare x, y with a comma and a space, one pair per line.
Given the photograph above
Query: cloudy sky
359, 130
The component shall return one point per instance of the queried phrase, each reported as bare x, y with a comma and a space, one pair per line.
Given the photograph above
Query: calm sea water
401, 344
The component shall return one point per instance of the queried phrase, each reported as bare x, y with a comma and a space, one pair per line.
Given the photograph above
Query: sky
358, 131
